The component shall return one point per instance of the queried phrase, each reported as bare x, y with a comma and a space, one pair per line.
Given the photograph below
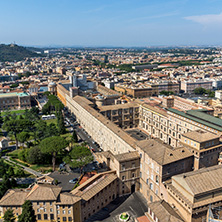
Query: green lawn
44, 168
51, 121
13, 111
67, 135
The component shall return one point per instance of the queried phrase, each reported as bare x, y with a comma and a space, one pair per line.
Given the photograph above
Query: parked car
75, 180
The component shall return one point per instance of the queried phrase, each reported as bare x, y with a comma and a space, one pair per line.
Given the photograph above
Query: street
27, 169
81, 133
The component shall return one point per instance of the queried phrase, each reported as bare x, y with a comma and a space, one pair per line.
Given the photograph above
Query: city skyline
117, 24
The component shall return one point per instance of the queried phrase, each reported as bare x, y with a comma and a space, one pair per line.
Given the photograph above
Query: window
151, 198
123, 167
151, 186
51, 216
39, 216
147, 181
64, 212
45, 216
133, 165
157, 179
51, 210
133, 175
69, 219
69, 211
64, 219
123, 177
58, 212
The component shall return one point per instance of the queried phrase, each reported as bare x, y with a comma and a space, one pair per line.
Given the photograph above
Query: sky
122, 23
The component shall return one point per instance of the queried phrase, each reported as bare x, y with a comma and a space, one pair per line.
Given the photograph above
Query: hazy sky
111, 22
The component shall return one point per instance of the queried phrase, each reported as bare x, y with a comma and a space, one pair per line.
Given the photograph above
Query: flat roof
200, 136
15, 94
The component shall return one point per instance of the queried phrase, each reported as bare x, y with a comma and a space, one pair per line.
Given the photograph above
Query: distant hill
14, 52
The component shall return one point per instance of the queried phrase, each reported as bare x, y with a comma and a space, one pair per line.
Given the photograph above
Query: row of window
51, 217
123, 166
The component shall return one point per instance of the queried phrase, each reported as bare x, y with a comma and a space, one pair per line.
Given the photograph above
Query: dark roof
162, 153
164, 212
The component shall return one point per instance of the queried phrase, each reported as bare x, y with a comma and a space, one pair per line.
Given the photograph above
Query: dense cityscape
87, 132
111, 111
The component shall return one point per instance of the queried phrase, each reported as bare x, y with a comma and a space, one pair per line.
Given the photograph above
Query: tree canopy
16, 126
53, 145
28, 213
79, 156
9, 216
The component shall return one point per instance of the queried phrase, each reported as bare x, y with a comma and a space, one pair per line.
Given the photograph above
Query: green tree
23, 137
9, 216
200, 91
35, 156
39, 130
51, 130
74, 137
5, 185
22, 155
61, 125
16, 126
79, 156
28, 213
1, 118
10, 171
53, 146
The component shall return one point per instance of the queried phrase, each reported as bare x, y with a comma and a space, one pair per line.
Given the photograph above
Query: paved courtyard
135, 205
63, 179
137, 134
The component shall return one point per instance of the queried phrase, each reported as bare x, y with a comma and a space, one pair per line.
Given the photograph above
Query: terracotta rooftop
127, 156
200, 181
143, 219
163, 153
44, 192
14, 197
164, 212
94, 185
67, 199
200, 136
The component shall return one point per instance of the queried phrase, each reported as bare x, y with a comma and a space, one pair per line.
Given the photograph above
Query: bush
35, 156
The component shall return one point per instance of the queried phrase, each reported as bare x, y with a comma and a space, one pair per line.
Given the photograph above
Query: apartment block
15, 101
124, 115
127, 167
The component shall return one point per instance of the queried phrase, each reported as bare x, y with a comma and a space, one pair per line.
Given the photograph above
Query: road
27, 169
126, 203
81, 132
